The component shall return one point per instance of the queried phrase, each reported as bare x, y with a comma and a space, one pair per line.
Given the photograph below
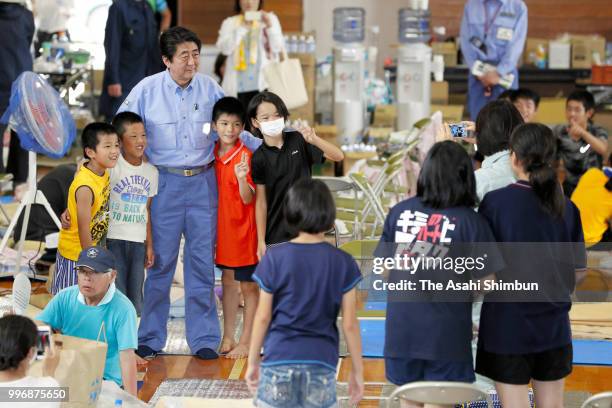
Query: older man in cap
80, 311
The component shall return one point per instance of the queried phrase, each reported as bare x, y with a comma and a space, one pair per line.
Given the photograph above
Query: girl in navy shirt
531, 340
428, 334
304, 283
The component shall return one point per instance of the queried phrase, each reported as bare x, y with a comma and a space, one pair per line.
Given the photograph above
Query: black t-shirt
54, 185
536, 247
421, 324
278, 170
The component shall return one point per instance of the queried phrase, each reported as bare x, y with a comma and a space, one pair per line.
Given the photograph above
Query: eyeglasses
89, 272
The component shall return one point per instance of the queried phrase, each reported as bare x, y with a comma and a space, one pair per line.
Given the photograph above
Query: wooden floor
592, 379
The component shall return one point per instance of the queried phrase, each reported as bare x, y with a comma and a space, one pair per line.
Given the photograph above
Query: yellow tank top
69, 243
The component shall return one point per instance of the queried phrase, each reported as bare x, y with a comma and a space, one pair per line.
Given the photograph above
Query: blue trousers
477, 98
183, 206
129, 258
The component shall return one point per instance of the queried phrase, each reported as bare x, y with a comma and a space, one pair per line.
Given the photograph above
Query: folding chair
601, 400
436, 392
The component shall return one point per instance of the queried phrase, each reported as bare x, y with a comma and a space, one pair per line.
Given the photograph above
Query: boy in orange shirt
236, 252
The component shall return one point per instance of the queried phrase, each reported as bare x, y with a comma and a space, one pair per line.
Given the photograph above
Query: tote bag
285, 79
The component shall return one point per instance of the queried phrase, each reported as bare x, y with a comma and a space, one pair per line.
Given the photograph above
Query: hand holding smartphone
461, 129
43, 341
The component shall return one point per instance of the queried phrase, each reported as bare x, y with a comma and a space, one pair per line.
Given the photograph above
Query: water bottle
118, 403
302, 45
414, 26
311, 46
349, 24
293, 43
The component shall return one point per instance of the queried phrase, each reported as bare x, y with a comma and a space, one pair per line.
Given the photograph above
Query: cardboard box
583, 48
448, 50
327, 132
531, 45
379, 132
439, 93
551, 111
384, 116
450, 113
559, 55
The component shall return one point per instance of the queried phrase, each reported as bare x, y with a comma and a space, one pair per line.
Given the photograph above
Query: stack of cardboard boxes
568, 51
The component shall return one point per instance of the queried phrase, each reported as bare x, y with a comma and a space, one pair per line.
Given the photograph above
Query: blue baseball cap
97, 259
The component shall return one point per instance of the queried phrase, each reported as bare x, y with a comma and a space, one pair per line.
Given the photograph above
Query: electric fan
44, 125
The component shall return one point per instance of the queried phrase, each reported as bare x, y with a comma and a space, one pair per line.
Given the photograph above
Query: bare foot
240, 351
227, 345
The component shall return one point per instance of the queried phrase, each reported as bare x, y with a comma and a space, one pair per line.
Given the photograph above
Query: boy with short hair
87, 201
133, 183
582, 144
236, 252
527, 102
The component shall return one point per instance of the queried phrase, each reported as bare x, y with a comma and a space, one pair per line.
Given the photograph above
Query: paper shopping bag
80, 368
285, 79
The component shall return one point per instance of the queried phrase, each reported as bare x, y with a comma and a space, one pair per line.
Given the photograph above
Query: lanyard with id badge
503, 33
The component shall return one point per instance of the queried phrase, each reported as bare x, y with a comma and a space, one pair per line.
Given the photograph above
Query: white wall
318, 16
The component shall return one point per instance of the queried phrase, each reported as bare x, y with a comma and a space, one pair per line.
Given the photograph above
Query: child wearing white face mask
286, 156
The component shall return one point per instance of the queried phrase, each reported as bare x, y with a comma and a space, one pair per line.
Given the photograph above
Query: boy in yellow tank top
87, 201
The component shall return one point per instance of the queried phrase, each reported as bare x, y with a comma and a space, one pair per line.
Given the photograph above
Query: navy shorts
401, 371
241, 273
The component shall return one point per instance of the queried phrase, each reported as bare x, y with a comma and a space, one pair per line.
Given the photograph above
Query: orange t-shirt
236, 228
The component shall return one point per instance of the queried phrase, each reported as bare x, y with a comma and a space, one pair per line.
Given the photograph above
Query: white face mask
273, 128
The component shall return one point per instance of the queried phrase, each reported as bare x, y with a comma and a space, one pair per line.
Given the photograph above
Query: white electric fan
44, 125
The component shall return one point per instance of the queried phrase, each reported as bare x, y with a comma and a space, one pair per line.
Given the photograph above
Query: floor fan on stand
44, 125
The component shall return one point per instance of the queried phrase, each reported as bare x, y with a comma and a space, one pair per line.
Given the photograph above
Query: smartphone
458, 130
43, 341
252, 16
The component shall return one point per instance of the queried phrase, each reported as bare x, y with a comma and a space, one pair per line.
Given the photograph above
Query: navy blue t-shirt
307, 282
432, 329
536, 247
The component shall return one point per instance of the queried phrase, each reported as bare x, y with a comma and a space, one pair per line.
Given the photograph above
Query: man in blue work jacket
176, 106
494, 32
132, 51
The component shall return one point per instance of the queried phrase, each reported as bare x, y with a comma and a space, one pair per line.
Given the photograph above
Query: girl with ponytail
525, 336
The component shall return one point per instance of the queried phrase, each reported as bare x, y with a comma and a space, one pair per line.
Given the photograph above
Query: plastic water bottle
311, 46
414, 26
349, 24
293, 44
118, 403
302, 45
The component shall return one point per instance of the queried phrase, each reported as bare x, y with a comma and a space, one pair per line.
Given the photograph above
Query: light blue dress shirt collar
171, 83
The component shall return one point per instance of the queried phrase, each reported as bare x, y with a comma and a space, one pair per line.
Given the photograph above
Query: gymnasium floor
584, 380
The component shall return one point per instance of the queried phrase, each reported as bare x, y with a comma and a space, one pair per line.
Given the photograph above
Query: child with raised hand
88, 198
531, 341
304, 284
428, 335
236, 251
286, 156
582, 144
